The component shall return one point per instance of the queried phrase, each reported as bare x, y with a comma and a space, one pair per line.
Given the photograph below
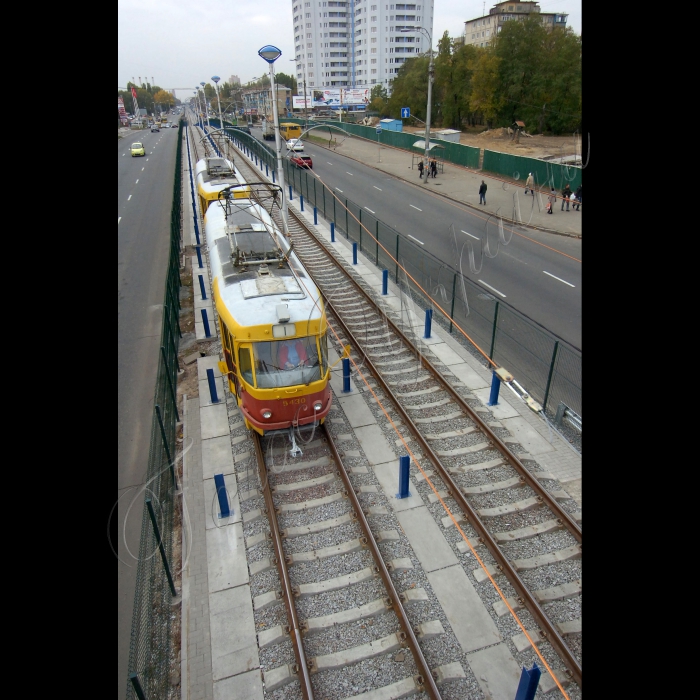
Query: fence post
221, 494
428, 322
404, 466
397, 258
346, 375
529, 680
165, 444
136, 685
212, 386
493, 334
377, 237
549, 377
205, 321
452, 309
154, 522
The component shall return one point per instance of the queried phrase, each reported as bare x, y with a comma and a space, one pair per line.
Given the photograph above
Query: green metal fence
548, 367
546, 174
151, 646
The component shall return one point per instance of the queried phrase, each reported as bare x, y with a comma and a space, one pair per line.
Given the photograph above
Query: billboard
298, 102
333, 98
122, 111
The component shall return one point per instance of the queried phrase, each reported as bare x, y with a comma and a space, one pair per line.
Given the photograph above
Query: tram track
485, 483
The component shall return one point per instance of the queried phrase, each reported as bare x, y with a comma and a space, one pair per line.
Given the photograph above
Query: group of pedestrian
567, 198
432, 168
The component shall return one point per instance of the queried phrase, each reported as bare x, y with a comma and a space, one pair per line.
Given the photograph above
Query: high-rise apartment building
234, 80
357, 43
481, 30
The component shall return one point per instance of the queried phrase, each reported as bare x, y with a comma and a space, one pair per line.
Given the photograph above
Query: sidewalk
504, 197
220, 657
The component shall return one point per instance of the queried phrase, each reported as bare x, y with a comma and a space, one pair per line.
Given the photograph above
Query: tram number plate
292, 402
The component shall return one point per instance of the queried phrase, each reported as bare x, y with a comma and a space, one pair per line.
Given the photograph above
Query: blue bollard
354, 253
261, 164
428, 322
212, 386
201, 286
404, 466
529, 680
315, 216
221, 493
290, 194
256, 160
199, 257
385, 282
346, 375
205, 321
273, 177
332, 232
196, 227
301, 199
267, 170
495, 387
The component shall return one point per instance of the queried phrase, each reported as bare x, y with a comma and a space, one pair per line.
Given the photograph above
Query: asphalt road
537, 273
145, 186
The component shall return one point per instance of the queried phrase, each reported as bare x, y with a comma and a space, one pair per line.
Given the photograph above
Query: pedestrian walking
433, 168
551, 200
420, 169
565, 197
482, 193
529, 184
579, 191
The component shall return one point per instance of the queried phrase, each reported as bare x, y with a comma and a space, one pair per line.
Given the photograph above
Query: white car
295, 145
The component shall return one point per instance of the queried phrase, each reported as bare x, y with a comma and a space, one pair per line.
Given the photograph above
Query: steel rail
550, 632
425, 678
302, 666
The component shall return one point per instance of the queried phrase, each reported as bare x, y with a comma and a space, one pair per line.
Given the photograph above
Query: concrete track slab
427, 541
227, 565
497, 672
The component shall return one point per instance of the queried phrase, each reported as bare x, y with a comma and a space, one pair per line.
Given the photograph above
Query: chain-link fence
151, 647
548, 367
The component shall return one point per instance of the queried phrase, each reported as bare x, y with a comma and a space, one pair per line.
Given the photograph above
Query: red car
301, 161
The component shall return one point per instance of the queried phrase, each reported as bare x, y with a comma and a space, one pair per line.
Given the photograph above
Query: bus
290, 131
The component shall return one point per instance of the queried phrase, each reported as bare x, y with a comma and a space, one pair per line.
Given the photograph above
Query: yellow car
137, 149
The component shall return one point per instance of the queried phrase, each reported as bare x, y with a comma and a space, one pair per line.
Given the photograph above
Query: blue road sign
379, 129
405, 112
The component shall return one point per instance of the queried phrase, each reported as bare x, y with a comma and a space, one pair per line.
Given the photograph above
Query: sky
178, 43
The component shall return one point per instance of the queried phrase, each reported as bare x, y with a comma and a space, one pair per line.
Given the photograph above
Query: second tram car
213, 174
272, 319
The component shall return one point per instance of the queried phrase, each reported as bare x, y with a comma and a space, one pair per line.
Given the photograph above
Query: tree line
528, 73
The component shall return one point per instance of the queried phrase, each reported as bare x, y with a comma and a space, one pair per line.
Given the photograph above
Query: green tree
484, 99
378, 100
410, 88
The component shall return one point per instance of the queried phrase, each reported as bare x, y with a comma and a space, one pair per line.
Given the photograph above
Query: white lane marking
119, 219
142, 169
329, 163
347, 173
469, 234
377, 188
338, 188
415, 239
123, 154
558, 278
492, 288
369, 210
137, 182
416, 208
129, 198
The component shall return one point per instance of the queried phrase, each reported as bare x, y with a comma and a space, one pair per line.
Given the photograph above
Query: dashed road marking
377, 188
129, 198
416, 208
493, 289
415, 239
369, 210
558, 278
469, 234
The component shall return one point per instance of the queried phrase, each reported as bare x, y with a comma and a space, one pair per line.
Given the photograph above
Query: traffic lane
427, 221
143, 247
130, 169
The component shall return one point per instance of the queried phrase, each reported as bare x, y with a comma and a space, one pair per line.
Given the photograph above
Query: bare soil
532, 146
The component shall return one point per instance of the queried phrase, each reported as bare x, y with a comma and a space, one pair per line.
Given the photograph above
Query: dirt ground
535, 146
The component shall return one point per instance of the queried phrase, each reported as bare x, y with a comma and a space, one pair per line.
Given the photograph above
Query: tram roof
252, 292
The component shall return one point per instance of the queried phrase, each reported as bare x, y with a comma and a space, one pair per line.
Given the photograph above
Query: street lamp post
199, 106
271, 54
206, 107
216, 79
431, 75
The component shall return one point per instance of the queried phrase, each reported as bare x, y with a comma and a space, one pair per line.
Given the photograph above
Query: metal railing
547, 366
151, 647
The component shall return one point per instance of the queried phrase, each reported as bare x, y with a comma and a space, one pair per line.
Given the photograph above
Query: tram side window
245, 364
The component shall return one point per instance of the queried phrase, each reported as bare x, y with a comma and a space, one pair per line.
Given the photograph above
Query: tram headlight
266, 413
318, 405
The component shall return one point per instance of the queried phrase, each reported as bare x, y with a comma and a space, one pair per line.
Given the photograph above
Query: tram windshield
288, 362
